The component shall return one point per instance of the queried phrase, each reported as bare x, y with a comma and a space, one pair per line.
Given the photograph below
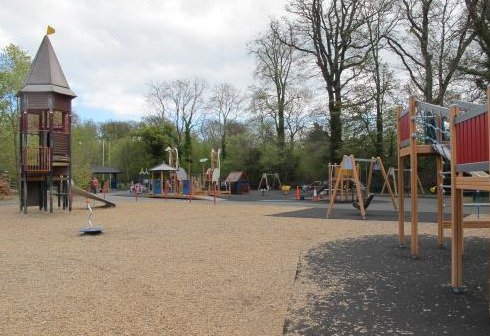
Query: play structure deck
459, 136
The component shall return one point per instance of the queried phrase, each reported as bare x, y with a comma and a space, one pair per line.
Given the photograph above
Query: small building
106, 172
238, 181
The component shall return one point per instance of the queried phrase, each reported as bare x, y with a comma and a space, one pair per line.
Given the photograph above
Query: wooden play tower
460, 136
470, 152
412, 147
45, 133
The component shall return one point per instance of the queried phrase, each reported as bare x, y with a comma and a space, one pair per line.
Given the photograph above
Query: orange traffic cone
297, 194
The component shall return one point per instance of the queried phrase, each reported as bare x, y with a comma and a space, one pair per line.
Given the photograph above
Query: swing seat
366, 202
91, 230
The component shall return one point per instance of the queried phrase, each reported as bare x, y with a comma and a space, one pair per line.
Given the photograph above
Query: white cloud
110, 50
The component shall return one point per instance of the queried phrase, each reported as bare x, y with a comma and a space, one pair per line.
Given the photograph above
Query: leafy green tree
130, 156
14, 67
86, 151
313, 155
156, 139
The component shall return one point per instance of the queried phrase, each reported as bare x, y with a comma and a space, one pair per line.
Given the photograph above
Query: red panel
472, 144
472, 140
457, 134
464, 127
404, 127
459, 143
480, 148
486, 143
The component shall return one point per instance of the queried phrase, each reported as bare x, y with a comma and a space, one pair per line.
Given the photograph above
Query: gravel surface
162, 268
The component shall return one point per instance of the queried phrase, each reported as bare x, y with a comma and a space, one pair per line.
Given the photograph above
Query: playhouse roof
236, 176
163, 167
105, 170
46, 74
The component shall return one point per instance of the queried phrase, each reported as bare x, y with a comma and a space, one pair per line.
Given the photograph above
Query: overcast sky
111, 50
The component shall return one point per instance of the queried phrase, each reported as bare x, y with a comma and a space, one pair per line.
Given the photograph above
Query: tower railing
36, 159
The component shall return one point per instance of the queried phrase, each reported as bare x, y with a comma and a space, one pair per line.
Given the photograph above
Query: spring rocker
364, 196
90, 229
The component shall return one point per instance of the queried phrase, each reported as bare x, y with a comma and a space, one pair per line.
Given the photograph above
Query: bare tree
274, 61
297, 114
156, 100
479, 65
378, 81
179, 101
332, 34
438, 38
227, 101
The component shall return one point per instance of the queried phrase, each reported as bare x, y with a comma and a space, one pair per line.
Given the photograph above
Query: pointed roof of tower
46, 74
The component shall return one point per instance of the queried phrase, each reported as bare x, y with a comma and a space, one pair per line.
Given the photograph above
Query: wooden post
395, 184
337, 182
414, 248
488, 117
330, 183
357, 182
25, 193
440, 188
370, 177
456, 213
401, 189
440, 201
387, 182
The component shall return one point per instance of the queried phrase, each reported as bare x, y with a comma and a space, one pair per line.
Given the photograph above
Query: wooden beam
424, 149
401, 202
440, 201
456, 213
470, 224
357, 182
414, 239
404, 151
472, 183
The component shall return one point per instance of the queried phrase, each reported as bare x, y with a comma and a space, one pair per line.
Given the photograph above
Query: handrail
36, 159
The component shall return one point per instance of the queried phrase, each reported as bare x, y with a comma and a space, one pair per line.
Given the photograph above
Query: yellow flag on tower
50, 30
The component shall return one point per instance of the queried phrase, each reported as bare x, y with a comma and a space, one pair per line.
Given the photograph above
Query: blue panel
157, 187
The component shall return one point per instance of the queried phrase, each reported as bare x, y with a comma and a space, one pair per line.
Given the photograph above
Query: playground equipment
238, 181
80, 192
470, 152
264, 181
460, 136
424, 130
45, 133
90, 229
213, 183
392, 173
349, 167
336, 173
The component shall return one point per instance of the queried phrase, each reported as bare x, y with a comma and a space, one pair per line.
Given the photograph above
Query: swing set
350, 166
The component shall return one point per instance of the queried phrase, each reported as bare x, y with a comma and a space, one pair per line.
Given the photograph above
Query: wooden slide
78, 191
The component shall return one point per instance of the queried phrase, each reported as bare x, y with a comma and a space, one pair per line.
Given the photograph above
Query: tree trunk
335, 128
187, 142
280, 125
223, 145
